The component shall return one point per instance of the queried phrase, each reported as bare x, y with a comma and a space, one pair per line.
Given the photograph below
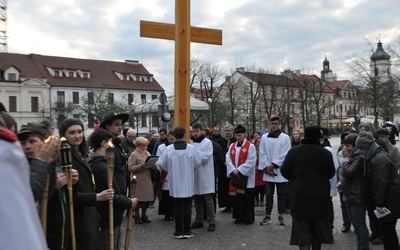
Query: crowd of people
69, 196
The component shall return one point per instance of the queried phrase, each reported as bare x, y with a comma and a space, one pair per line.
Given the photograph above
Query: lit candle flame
63, 139
48, 139
110, 145
134, 178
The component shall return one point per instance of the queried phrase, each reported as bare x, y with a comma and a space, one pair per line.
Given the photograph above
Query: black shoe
178, 236
167, 218
196, 225
376, 241
227, 210
238, 221
211, 227
145, 219
345, 229
247, 222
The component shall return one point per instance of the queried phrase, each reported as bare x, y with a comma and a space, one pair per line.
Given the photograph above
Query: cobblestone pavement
157, 234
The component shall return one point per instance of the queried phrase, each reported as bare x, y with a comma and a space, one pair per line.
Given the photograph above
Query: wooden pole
182, 66
129, 226
45, 198
110, 173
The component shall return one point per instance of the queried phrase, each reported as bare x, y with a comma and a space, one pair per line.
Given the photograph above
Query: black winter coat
309, 167
384, 182
85, 212
354, 180
98, 164
39, 172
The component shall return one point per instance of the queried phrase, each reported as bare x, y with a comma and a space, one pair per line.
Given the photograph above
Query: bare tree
381, 91
97, 104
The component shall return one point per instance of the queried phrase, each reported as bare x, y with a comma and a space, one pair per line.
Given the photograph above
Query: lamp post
133, 114
150, 115
210, 111
341, 118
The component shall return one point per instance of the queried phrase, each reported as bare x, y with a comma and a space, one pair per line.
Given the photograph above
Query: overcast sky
274, 35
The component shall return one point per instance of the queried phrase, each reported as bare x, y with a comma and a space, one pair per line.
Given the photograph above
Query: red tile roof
101, 72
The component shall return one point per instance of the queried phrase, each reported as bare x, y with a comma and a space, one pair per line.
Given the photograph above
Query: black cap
33, 128
111, 117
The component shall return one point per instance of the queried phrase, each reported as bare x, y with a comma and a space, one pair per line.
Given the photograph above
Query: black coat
354, 180
224, 143
39, 172
85, 212
98, 164
384, 182
309, 167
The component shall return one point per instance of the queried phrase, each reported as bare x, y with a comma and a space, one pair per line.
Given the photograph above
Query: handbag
239, 181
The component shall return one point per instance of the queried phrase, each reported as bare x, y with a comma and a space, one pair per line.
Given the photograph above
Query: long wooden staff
66, 164
129, 226
45, 198
110, 173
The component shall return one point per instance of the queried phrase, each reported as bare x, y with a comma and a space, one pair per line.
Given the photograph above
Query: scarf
244, 151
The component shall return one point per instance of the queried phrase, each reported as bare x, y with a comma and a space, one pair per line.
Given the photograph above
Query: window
90, 98
153, 97
60, 119
144, 123
155, 121
90, 120
124, 77
12, 76
143, 98
12, 103
130, 99
56, 73
61, 99
75, 97
85, 75
110, 98
70, 74
34, 104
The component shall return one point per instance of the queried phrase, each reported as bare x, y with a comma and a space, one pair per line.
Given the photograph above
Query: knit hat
365, 141
68, 123
313, 132
240, 129
32, 128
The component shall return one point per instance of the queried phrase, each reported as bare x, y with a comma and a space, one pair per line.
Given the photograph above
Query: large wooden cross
183, 34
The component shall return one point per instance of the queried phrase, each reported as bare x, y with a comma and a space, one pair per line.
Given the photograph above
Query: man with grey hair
223, 180
384, 183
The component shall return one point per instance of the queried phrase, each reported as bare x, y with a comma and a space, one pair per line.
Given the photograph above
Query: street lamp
134, 105
150, 115
341, 118
210, 112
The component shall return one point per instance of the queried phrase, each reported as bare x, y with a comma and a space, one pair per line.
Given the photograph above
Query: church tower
380, 64
326, 72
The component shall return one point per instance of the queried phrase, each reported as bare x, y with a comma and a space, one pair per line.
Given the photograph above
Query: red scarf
244, 151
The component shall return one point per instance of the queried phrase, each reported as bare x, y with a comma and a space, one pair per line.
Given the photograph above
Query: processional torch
45, 197
110, 173
66, 165
129, 226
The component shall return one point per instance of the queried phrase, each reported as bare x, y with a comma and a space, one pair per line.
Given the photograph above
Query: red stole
244, 151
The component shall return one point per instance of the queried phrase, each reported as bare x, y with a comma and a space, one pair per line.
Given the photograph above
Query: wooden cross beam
183, 34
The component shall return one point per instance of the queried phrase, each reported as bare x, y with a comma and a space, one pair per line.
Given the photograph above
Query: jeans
345, 216
357, 214
280, 188
182, 214
209, 202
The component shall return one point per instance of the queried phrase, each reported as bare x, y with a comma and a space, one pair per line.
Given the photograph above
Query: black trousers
183, 215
